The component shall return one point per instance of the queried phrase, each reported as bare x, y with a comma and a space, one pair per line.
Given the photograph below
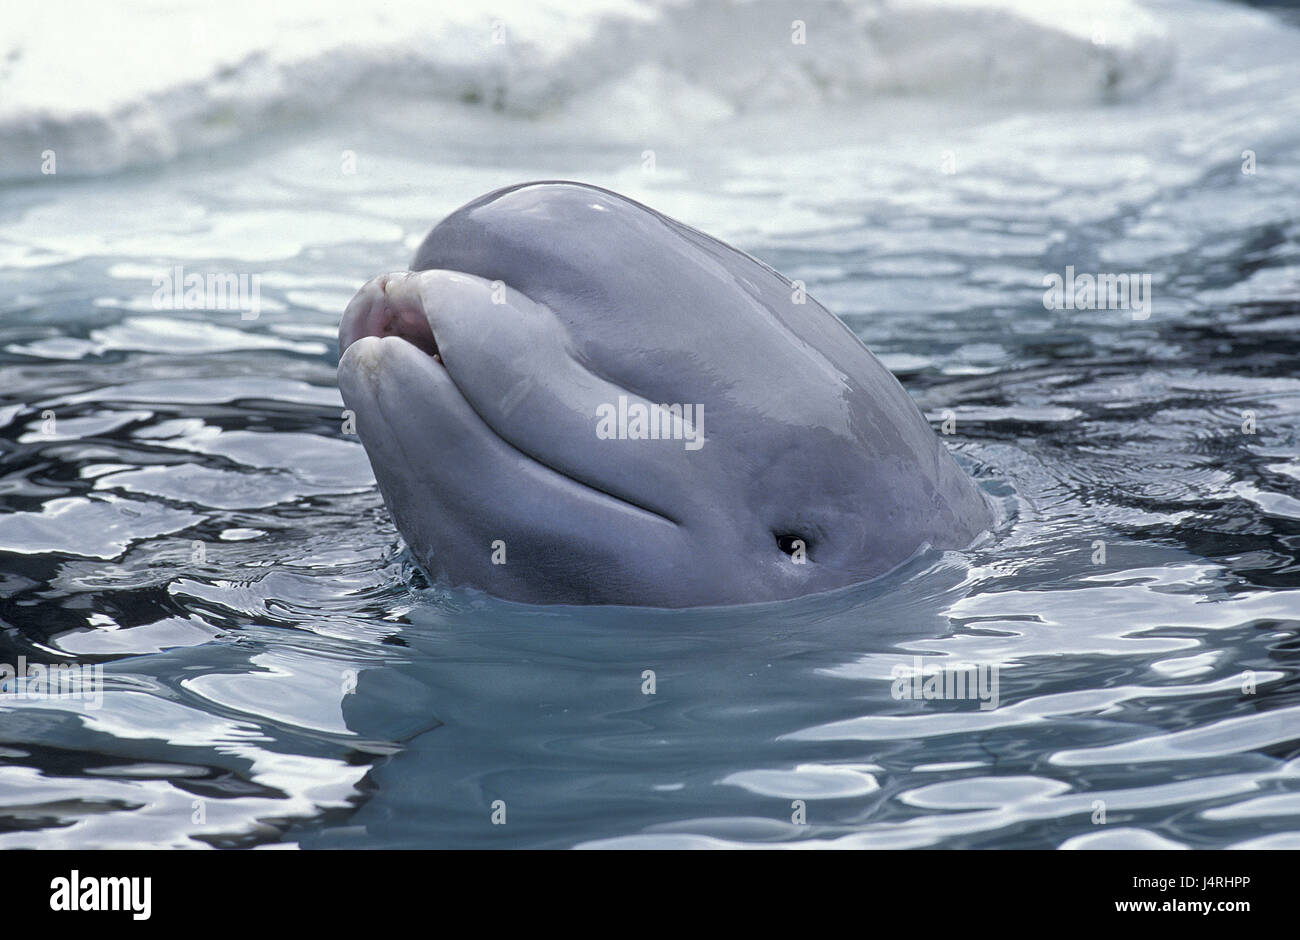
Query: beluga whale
571, 398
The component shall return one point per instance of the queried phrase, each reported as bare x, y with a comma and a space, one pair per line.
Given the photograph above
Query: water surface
195, 520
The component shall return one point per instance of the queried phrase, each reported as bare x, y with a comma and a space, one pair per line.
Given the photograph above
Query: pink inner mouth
388, 307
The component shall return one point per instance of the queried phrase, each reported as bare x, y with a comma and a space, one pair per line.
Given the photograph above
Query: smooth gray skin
805, 433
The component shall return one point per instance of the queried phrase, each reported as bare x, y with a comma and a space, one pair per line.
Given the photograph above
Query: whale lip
389, 307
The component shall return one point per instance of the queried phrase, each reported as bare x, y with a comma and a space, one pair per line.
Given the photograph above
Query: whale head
572, 398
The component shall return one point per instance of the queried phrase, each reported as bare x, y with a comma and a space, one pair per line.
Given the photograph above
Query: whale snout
389, 306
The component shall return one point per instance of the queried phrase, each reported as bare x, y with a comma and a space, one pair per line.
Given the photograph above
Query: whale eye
792, 543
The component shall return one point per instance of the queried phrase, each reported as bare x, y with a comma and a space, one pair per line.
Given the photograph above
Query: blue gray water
179, 503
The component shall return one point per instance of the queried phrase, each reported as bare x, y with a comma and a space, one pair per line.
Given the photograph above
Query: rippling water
181, 505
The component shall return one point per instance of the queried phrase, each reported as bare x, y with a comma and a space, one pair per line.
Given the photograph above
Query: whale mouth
388, 308
383, 375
